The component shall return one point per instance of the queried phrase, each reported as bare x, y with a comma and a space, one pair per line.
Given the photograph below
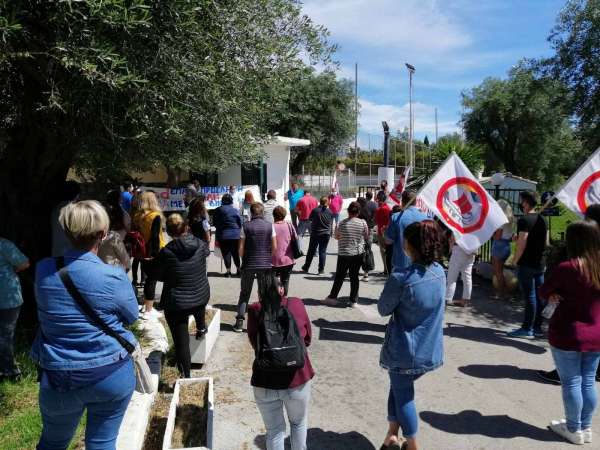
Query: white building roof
514, 177
290, 142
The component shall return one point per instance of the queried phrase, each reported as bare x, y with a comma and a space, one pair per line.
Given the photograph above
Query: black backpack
279, 346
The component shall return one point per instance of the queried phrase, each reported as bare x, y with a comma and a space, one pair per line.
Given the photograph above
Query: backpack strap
85, 306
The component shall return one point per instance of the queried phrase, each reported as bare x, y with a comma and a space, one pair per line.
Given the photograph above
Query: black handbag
295, 244
368, 262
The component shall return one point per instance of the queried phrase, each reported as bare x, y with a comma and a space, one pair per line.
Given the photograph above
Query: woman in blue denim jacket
414, 341
81, 367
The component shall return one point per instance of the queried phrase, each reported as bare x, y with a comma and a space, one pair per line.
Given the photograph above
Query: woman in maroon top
274, 391
574, 331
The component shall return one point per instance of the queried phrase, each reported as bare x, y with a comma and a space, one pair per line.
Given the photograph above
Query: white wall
232, 175
277, 158
278, 169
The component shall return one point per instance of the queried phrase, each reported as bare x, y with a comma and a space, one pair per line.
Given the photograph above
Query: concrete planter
133, 428
200, 350
167, 442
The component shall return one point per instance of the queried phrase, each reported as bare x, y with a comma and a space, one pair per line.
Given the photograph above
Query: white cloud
397, 117
418, 25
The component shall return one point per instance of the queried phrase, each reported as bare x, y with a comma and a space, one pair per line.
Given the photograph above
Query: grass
20, 420
559, 224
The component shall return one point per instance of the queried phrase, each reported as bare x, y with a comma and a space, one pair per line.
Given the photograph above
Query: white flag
457, 198
583, 188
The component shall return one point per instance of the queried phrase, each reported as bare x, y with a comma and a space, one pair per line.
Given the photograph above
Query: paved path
486, 396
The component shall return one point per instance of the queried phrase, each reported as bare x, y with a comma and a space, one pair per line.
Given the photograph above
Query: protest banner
173, 199
458, 199
583, 188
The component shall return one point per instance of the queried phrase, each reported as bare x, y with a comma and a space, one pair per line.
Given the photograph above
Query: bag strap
87, 309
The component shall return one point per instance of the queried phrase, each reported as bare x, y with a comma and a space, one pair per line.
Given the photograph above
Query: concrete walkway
486, 396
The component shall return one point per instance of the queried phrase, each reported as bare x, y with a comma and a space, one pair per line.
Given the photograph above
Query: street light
497, 179
411, 70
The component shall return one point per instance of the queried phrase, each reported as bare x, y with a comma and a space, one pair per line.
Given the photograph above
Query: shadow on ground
490, 336
473, 423
318, 439
346, 331
501, 371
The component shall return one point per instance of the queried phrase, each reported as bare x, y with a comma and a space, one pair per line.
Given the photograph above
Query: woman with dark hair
573, 333
283, 257
198, 219
120, 221
274, 391
228, 224
414, 341
352, 235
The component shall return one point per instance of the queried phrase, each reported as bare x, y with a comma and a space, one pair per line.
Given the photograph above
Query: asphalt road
486, 396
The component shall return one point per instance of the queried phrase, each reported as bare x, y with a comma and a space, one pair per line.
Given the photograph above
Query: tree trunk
32, 171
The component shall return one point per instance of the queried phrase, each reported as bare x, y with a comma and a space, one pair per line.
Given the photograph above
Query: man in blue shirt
292, 196
126, 197
394, 233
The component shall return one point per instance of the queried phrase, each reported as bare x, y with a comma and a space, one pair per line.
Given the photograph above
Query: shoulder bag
295, 244
143, 375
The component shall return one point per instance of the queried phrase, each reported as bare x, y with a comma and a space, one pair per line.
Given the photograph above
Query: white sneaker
587, 436
153, 314
560, 428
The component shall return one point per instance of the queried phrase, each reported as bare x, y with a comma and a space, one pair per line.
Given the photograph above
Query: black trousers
178, 324
230, 249
247, 282
150, 283
347, 264
389, 253
137, 262
284, 273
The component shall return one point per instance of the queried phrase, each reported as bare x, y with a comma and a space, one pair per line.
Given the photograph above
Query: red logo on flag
588, 190
467, 212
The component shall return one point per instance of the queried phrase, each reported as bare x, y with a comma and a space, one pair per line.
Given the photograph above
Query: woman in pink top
335, 205
283, 258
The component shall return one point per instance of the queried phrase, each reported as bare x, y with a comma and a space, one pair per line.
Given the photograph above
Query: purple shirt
575, 325
284, 255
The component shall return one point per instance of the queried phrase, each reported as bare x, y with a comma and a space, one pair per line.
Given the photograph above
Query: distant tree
518, 122
576, 40
318, 107
471, 154
426, 141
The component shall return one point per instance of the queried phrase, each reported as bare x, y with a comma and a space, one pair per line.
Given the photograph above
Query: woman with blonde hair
82, 367
501, 247
149, 222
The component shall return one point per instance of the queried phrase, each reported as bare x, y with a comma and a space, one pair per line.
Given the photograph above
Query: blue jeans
303, 227
321, 242
8, 323
530, 281
577, 371
271, 402
401, 403
106, 403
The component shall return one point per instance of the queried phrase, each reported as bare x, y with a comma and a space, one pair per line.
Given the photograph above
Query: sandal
462, 303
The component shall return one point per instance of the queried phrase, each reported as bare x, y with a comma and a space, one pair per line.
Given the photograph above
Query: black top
533, 255
321, 219
181, 264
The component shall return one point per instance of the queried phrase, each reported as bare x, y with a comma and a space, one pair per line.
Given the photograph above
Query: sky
453, 44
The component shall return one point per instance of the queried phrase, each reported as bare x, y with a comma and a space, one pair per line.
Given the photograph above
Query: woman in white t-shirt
501, 247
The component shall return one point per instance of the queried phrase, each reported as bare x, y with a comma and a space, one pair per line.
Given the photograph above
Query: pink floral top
284, 255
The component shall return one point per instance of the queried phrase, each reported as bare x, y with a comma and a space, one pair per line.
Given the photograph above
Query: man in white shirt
270, 205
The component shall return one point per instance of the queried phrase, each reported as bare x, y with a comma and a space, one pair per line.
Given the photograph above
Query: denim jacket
413, 340
67, 339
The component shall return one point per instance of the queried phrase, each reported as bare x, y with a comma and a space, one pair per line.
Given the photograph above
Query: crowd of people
97, 245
